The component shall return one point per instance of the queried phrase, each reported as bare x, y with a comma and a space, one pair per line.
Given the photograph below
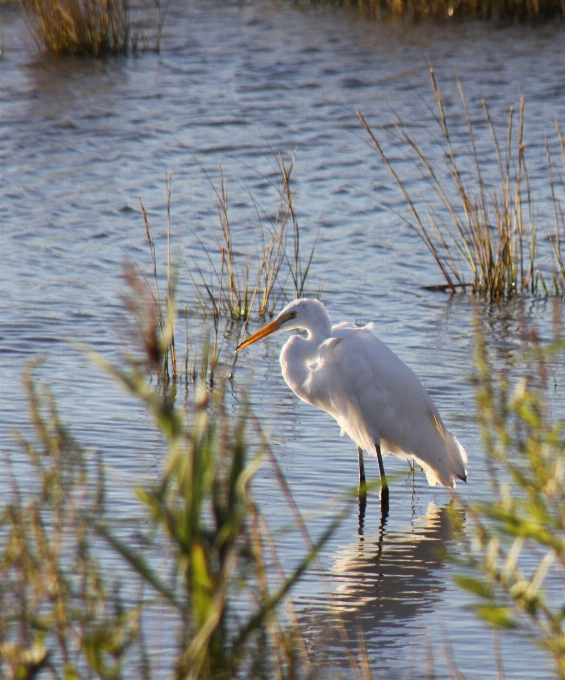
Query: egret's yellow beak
266, 330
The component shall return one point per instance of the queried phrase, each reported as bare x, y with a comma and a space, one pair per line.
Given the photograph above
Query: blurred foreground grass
515, 558
77, 591
80, 591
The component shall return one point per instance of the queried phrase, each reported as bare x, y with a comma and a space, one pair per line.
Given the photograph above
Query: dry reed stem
164, 306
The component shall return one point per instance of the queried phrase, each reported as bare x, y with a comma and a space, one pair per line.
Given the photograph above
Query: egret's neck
298, 355
319, 329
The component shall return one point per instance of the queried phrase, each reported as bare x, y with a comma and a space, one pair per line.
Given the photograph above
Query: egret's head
304, 313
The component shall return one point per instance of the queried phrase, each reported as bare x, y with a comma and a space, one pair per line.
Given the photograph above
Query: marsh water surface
81, 141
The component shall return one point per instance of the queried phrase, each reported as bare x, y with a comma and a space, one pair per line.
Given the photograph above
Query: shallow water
82, 141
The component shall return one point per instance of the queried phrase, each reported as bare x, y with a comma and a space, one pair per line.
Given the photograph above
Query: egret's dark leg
362, 490
384, 483
361, 470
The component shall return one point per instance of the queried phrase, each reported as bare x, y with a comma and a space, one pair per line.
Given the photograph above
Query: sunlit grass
93, 27
239, 282
482, 230
254, 281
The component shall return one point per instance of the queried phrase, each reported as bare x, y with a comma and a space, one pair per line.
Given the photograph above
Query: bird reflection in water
382, 583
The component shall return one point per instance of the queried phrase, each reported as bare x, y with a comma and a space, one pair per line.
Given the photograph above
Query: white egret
375, 398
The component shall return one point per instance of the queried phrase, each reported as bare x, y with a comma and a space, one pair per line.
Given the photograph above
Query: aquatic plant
240, 281
93, 27
237, 282
71, 608
483, 224
155, 318
516, 555
59, 607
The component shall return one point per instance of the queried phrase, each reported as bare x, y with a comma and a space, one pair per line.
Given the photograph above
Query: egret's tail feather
457, 458
445, 469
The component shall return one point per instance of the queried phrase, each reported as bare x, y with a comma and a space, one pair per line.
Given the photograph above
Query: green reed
60, 610
483, 223
93, 27
516, 555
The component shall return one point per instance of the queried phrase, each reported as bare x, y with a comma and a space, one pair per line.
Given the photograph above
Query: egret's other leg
362, 490
361, 470
384, 483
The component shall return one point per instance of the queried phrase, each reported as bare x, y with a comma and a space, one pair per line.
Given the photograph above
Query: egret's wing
374, 394
377, 399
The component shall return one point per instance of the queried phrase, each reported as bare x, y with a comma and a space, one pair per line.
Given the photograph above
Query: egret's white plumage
376, 399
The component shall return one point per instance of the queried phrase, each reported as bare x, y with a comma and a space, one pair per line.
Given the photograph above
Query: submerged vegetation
482, 224
94, 27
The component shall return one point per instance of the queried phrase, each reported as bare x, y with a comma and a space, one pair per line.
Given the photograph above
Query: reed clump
60, 609
233, 283
484, 221
495, 10
93, 27
241, 281
516, 555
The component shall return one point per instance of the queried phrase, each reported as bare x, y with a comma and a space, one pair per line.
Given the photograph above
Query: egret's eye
289, 316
